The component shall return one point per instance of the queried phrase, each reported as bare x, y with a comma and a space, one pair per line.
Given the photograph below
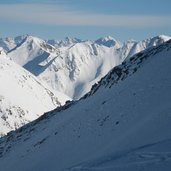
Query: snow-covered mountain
132, 47
122, 124
23, 97
68, 69
31, 48
109, 42
72, 66
9, 43
63, 43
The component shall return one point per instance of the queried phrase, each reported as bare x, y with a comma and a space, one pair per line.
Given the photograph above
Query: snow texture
72, 66
23, 98
123, 124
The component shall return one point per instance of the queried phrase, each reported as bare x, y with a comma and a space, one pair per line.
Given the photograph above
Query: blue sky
85, 19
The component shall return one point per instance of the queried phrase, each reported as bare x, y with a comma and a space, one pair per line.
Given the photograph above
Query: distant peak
106, 38
9, 39
67, 41
164, 37
108, 41
29, 37
32, 39
72, 40
157, 40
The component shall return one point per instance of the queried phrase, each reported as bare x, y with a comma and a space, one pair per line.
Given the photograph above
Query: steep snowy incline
123, 124
79, 67
23, 97
30, 49
74, 65
132, 47
71, 69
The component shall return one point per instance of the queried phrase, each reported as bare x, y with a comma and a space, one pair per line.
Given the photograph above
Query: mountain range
122, 123
47, 73
72, 66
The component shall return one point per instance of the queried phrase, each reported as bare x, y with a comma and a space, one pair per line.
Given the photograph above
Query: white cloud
61, 15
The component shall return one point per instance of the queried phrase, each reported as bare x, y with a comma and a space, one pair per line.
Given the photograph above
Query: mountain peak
108, 41
129, 122
30, 38
164, 37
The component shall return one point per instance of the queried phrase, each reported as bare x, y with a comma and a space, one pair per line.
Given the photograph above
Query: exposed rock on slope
123, 124
74, 65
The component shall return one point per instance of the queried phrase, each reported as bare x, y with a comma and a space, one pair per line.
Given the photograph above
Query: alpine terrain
72, 66
23, 98
122, 124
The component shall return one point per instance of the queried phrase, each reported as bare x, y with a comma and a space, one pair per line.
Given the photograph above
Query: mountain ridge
123, 126
23, 97
73, 66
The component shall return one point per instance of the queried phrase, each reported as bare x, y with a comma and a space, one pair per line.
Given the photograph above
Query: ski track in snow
141, 157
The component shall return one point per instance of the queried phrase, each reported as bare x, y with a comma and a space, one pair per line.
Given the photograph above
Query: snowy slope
23, 97
79, 67
7, 44
69, 69
142, 45
74, 65
31, 48
10, 43
122, 124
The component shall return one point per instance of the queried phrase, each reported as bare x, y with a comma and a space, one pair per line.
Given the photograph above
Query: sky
85, 19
